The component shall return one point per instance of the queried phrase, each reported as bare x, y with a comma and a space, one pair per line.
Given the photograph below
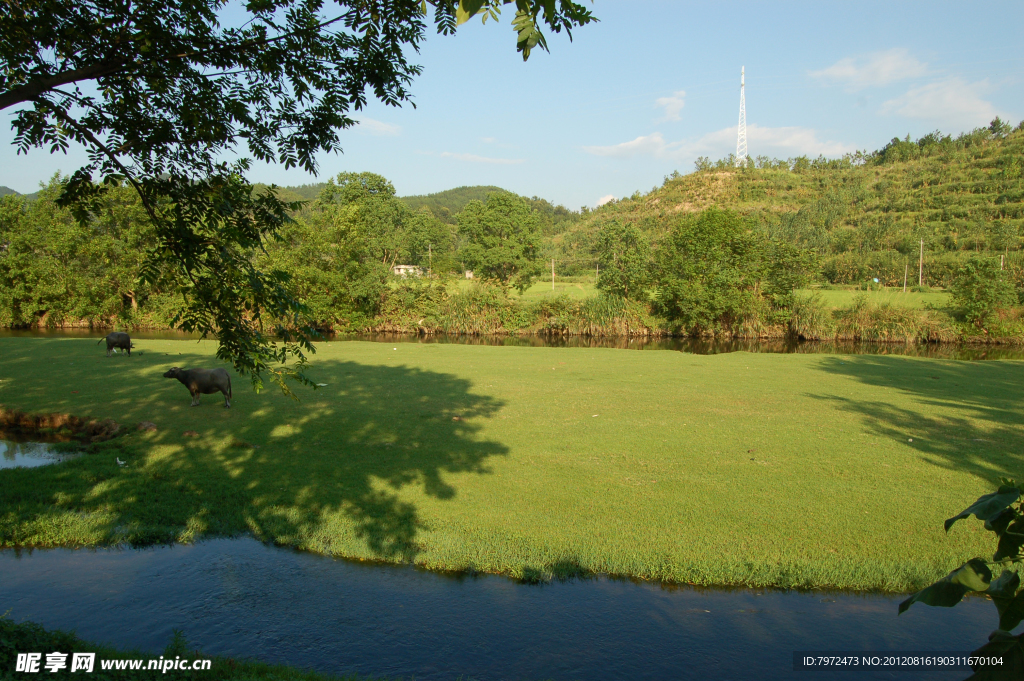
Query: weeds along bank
483, 310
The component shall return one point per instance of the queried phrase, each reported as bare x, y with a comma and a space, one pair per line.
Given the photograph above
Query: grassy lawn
760, 469
542, 289
893, 296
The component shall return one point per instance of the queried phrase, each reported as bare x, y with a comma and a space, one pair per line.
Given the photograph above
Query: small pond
697, 346
241, 598
15, 454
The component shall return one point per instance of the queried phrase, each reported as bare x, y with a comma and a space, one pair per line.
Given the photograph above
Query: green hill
449, 203
865, 214
4, 191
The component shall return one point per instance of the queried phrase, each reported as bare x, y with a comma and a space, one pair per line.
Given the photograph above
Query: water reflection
31, 454
240, 598
702, 346
697, 346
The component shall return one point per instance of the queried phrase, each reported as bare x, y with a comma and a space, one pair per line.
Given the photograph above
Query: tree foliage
714, 269
981, 289
161, 92
625, 259
54, 269
502, 240
1002, 512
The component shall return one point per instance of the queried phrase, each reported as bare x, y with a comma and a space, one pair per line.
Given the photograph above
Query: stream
241, 598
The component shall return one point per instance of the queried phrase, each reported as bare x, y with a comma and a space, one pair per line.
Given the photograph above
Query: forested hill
447, 204
444, 205
957, 195
4, 191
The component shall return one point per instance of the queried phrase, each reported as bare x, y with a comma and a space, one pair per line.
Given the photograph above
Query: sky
655, 85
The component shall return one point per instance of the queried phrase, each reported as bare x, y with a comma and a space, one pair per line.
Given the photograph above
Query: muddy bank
56, 427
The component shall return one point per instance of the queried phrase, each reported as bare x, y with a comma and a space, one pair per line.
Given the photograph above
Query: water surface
698, 346
240, 598
31, 454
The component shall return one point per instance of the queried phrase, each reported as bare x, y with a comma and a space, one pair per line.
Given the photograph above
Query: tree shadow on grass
332, 473
969, 416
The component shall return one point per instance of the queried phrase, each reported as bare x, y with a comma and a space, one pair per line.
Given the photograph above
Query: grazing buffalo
117, 339
203, 382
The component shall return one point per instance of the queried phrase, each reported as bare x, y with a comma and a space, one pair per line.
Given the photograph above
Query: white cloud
473, 158
952, 102
605, 199
650, 145
873, 70
784, 142
375, 127
488, 140
672, 105
792, 140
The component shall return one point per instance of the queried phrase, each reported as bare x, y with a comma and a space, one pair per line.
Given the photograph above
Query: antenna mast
741, 131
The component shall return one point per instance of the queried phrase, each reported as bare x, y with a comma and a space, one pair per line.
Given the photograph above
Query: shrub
980, 290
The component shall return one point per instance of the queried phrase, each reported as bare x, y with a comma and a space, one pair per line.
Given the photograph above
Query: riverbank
425, 309
776, 470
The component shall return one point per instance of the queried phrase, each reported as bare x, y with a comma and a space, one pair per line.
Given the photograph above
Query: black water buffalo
117, 339
203, 382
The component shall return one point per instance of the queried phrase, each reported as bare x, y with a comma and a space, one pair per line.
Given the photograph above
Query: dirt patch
57, 426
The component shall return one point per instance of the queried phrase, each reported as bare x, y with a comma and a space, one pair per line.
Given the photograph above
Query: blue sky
654, 85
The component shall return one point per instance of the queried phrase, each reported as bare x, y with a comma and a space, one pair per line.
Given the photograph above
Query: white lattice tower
741, 130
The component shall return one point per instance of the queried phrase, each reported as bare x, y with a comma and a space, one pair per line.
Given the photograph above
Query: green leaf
989, 506
467, 10
1012, 613
1005, 645
1010, 541
1005, 587
1009, 603
973, 575
1001, 521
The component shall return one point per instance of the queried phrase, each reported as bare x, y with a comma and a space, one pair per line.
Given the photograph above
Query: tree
160, 92
503, 240
980, 289
704, 279
625, 257
713, 270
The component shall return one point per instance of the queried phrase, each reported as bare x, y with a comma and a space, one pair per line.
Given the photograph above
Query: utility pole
920, 266
552, 274
741, 129
906, 268
430, 260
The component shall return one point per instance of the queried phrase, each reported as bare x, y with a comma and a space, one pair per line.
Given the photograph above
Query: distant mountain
303, 192
447, 204
4, 191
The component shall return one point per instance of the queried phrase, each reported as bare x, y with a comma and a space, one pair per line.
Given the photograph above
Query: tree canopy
503, 240
160, 93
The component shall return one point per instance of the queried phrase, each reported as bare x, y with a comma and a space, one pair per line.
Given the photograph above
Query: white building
407, 270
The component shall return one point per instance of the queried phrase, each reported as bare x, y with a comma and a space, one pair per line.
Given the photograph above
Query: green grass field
915, 299
542, 289
757, 469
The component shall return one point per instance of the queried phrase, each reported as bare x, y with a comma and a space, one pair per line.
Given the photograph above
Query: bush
980, 290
